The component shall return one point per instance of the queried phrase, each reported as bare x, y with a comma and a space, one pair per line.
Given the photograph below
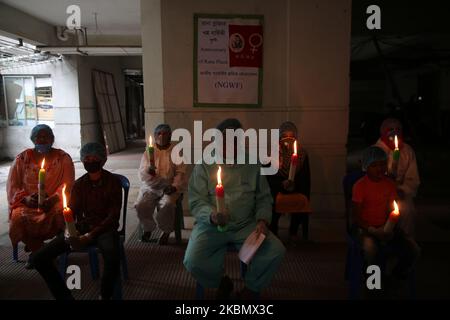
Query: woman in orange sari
29, 223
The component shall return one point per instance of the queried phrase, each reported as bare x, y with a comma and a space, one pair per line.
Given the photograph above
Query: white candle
294, 161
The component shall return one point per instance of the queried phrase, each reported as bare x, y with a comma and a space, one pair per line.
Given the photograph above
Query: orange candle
294, 161
71, 231
392, 219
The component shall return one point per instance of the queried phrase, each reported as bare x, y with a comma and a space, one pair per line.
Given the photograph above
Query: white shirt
408, 179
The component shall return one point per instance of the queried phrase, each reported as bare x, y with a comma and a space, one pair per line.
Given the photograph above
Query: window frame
33, 77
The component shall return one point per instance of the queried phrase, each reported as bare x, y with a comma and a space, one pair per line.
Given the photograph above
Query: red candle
71, 231
392, 220
294, 161
220, 198
220, 193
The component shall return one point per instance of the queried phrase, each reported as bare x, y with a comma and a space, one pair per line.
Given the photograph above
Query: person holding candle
162, 183
28, 223
404, 171
298, 189
373, 199
248, 206
95, 204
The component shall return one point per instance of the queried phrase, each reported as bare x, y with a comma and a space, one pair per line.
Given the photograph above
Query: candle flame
42, 163
219, 176
396, 211
150, 142
396, 142
295, 147
64, 196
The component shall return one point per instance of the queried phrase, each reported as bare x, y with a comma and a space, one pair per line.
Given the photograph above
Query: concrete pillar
152, 62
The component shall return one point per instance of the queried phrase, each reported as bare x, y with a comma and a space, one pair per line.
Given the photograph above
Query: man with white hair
405, 172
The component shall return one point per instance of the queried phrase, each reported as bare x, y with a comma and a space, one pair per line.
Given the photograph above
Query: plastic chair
200, 290
355, 260
303, 219
92, 250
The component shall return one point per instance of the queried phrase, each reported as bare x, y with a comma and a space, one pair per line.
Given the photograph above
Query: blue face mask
43, 148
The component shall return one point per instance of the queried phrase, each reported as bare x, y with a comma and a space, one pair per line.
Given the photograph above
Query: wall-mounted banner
228, 60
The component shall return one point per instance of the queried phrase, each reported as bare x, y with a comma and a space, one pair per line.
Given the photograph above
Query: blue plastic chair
200, 290
92, 250
355, 260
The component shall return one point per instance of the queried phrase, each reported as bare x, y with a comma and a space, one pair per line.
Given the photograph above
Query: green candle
396, 155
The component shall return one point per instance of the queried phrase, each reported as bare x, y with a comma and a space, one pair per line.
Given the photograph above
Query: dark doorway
134, 94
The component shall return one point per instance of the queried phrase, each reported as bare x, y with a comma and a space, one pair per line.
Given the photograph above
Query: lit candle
220, 198
392, 220
71, 231
151, 152
294, 161
396, 155
41, 184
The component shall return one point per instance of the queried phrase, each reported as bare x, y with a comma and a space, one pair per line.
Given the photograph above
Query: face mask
43, 148
287, 144
389, 140
163, 140
92, 167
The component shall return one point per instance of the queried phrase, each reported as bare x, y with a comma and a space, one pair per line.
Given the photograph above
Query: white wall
66, 108
306, 76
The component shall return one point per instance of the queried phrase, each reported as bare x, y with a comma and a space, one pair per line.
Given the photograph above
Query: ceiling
114, 17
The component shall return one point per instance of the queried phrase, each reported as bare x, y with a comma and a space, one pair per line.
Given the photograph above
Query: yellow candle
41, 184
